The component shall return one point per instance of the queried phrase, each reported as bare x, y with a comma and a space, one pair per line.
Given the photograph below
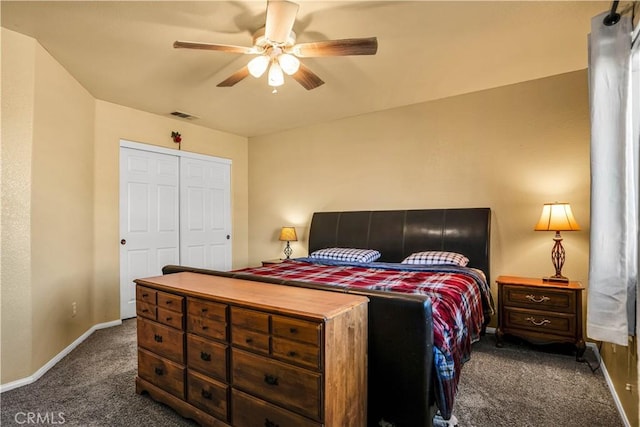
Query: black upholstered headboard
399, 233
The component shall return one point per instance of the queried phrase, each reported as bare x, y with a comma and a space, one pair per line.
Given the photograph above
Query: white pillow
347, 254
437, 257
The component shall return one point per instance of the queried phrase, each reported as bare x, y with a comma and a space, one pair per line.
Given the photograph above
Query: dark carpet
513, 386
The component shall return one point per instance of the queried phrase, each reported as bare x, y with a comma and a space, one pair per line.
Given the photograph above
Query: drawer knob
205, 356
204, 310
538, 323
292, 354
144, 310
169, 319
270, 379
269, 423
293, 330
206, 394
248, 340
159, 371
532, 298
157, 338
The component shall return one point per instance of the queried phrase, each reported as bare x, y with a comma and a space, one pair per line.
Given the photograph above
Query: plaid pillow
347, 254
436, 257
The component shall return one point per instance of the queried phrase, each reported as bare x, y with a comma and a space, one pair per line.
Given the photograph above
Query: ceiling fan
275, 48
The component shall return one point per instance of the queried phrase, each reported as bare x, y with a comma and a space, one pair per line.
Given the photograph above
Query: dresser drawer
209, 395
251, 412
170, 318
146, 309
251, 340
294, 388
207, 328
170, 302
297, 352
207, 310
161, 339
162, 372
540, 321
249, 319
207, 357
538, 298
146, 295
294, 329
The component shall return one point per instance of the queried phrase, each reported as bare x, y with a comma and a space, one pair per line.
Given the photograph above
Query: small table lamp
288, 234
557, 217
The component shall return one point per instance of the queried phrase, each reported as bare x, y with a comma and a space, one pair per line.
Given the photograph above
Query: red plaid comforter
457, 295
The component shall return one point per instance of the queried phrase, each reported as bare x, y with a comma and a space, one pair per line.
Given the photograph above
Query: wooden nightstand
540, 312
271, 261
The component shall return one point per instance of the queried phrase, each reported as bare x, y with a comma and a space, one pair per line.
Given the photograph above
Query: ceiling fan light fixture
276, 77
289, 63
258, 65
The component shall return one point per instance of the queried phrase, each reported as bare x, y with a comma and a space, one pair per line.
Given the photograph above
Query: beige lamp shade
288, 234
557, 217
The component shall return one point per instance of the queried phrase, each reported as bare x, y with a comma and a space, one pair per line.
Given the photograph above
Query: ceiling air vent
184, 115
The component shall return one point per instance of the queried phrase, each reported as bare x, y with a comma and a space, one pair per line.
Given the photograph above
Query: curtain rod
613, 17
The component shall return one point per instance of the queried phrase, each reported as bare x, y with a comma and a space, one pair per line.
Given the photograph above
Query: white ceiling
122, 52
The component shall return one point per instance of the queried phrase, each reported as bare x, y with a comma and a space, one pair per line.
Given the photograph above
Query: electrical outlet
628, 387
74, 309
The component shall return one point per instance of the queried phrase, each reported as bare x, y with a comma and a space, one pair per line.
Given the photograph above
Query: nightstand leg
499, 337
580, 349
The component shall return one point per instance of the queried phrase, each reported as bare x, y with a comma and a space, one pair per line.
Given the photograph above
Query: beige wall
60, 183
511, 149
114, 122
18, 66
48, 207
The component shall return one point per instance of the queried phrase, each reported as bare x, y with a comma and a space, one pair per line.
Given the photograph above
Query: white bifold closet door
175, 208
204, 214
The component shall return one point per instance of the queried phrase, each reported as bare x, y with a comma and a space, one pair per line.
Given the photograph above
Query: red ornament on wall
177, 138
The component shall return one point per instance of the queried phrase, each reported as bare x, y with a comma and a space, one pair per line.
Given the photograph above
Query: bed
415, 357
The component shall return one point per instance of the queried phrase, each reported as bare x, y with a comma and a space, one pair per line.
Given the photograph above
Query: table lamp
557, 217
288, 234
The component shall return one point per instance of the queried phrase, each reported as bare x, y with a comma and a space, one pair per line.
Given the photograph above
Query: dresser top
279, 298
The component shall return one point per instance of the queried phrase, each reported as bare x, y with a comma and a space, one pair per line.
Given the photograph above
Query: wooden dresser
225, 351
540, 312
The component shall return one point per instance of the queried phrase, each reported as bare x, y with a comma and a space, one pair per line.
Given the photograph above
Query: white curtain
613, 258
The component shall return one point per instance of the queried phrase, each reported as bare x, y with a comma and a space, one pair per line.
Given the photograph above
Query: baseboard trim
58, 357
612, 388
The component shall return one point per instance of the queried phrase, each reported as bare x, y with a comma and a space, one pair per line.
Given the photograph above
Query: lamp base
557, 279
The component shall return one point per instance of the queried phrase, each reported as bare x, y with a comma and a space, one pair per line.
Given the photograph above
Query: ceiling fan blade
213, 46
307, 78
235, 77
343, 47
281, 16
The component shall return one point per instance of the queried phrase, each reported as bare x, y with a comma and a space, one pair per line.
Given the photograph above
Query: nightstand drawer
556, 300
540, 321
